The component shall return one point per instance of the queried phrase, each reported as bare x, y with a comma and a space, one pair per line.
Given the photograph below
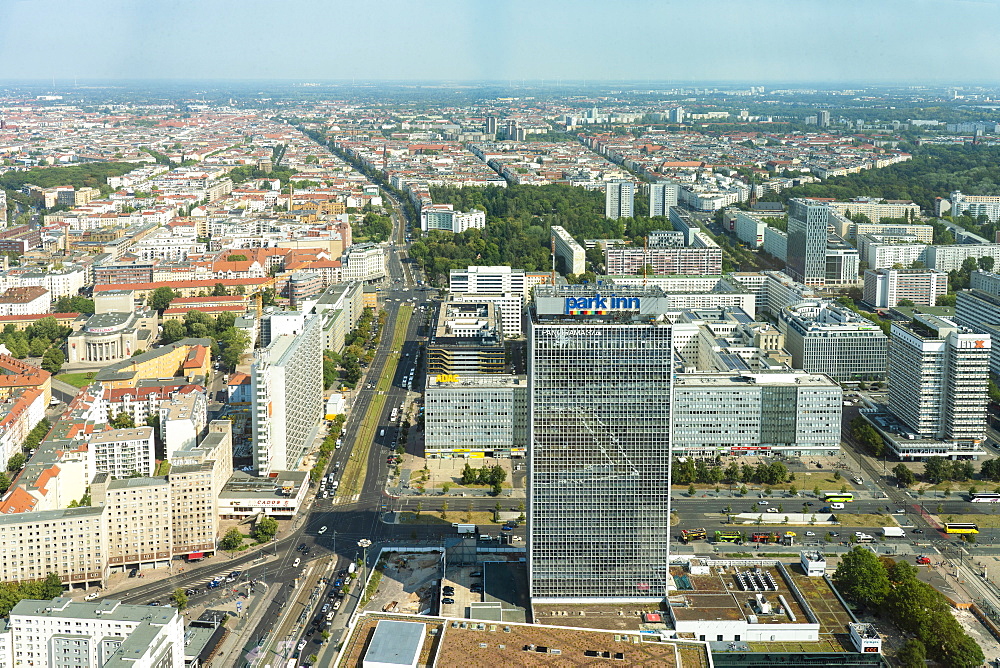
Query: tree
219, 290
4, 482
861, 577
904, 476
692, 491
264, 529
173, 330
232, 540
179, 599
122, 421
16, 462
53, 360
913, 654
73, 305
161, 298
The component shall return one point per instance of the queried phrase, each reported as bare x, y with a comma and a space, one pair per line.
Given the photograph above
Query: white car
322, 530
772, 510
91, 596
295, 564
810, 533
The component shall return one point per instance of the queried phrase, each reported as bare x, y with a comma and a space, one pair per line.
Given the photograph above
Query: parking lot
463, 579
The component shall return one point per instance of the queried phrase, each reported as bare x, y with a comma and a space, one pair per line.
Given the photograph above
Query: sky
758, 41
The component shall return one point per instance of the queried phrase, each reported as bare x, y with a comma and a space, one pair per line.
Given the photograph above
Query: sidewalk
253, 610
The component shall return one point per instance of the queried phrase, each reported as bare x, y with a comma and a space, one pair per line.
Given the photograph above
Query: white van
837, 506
381, 432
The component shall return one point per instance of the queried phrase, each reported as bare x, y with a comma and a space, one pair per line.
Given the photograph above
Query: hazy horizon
885, 42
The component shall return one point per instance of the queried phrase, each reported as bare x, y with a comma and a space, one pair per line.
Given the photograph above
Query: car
295, 564
477, 574
900, 511
302, 645
336, 605
339, 582
810, 533
917, 531
834, 533
191, 592
762, 502
329, 616
772, 510
325, 609
132, 573
305, 552
448, 591
476, 588
154, 603
859, 533
311, 630
809, 503
923, 559
91, 596
447, 601
506, 528
322, 530
301, 547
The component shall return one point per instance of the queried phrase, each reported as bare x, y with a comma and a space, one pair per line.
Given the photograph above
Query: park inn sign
598, 305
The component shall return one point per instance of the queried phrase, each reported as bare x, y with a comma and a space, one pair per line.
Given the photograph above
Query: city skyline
895, 41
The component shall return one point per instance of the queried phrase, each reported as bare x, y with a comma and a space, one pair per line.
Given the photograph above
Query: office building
571, 258
503, 286
986, 281
600, 379
975, 205
884, 288
662, 196
808, 224
749, 228
884, 252
735, 414
826, 338
619, 199
938, 376
65, 634
476, 416
842, 262
360, 262
286, 382
823, 118
467, 339
491, 280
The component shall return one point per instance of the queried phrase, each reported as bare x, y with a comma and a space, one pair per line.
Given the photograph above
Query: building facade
824, 338
884, 288
476, 416
662, 196
599, 441
619, 199
808, 222
286, 384
570, 255
938, 377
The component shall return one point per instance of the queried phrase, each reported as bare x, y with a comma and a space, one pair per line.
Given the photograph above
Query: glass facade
599, 448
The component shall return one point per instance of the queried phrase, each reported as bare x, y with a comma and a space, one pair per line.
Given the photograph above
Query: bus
729, 537
765, 538
961, 527
692, 534
984, 497
864, 538
838, 497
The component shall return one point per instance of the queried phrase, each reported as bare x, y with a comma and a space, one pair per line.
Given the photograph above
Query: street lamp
364, 544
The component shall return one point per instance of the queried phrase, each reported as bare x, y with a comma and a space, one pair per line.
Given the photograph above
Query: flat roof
720, 595
726, 379
396, 642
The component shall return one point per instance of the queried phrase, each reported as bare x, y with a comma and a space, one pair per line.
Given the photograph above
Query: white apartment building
62, 633
662, 196
69, 542
570, 254
885, 252
286, 382
975, 205
776, 243
884, 288
619, 199
876, 209
950, 258
60, 282
124, 452
750, 229
443, 217
182, 420
138, 521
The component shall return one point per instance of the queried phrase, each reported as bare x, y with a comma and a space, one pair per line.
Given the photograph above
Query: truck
893, 532
466, 528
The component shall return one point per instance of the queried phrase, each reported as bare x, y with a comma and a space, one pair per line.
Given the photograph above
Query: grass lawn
804, 482
453, 516
82, 379
865, 520
984, 521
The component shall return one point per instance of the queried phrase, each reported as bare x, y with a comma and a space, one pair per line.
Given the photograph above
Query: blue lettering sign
598, 305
